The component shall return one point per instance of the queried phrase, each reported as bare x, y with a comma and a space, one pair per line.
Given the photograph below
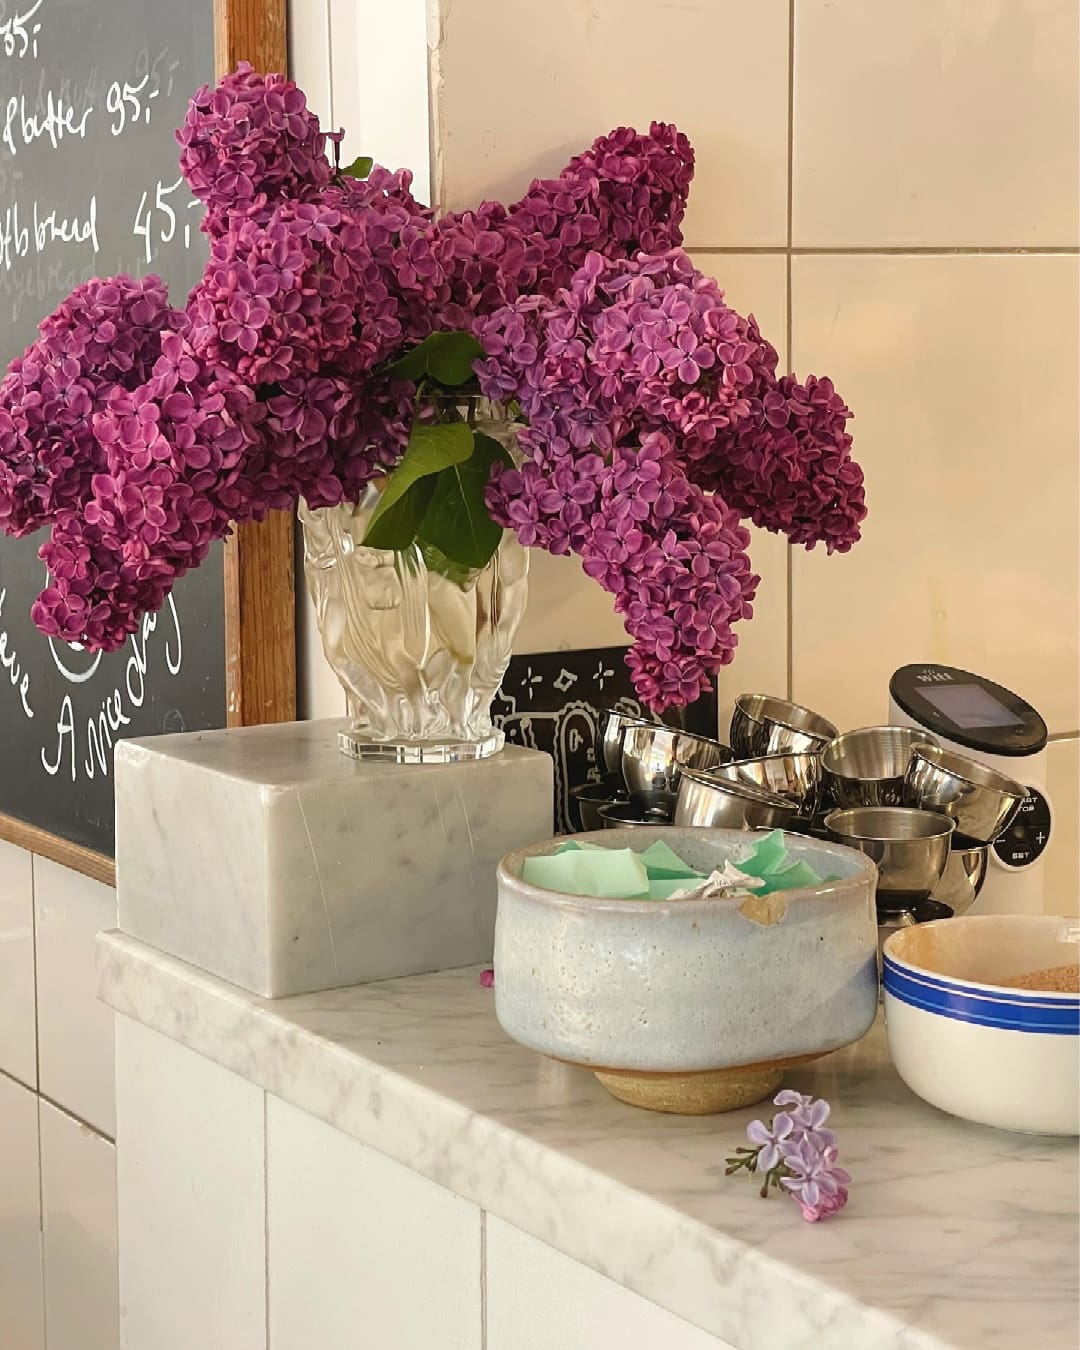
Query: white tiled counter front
381, 1165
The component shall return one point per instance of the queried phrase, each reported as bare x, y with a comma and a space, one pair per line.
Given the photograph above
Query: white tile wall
75, 1030
384, 108
521, 87
78, 1189
192, 1232
18, 1022
396, 1262
22, 1317
962, 373
589, 1312
926, 123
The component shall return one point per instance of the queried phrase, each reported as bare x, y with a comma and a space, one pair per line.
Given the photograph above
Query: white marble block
270, 859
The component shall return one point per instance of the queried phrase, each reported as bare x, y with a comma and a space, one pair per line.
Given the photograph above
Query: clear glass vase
419, 655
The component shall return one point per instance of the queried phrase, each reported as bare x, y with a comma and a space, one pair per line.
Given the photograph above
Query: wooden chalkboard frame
260, 606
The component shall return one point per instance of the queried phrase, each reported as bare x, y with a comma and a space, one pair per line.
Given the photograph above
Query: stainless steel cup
794, 776
653, 757
763, 725
981, 801
611, 738
910, 847
726, 803
868, 767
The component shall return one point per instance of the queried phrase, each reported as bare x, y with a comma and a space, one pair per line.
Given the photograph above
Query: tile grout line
789, 354
37, 1103
483, 1281
889, 250
266, 1218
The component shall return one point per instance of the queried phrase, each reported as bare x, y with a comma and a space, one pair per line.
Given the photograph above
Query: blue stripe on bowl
948, 999
1034, 999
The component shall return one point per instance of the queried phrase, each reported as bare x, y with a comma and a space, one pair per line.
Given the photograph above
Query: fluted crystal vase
420, 654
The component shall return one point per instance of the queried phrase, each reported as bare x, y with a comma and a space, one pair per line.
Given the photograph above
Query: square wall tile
75, 1031
22, 1308
935, 124
18, 1022
519, 88
309, 56
190, 1199
756, 283
962, 374
78, 1188
1063, 853
379, 60
396, 1254
523, 1312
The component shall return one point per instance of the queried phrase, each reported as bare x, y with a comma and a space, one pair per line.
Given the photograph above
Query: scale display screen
970, 706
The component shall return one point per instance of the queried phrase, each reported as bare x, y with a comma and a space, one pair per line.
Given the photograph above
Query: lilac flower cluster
786, 465
673, 557
654, 417
106, 334
626, 194
168, 479
797, 1154
636, 380
249, 143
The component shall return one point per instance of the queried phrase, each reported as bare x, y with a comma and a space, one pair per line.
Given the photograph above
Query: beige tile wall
893, 190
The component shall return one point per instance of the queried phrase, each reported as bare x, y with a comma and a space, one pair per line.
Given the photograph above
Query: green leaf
359, 168
396, 526
456, 521
433, 447
446, 357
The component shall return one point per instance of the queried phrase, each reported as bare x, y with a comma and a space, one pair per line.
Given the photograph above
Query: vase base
445, 750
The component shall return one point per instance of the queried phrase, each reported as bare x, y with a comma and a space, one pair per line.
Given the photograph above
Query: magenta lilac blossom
248, 144
653, 418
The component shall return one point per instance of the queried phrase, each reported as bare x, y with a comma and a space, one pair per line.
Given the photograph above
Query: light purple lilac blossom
798, 1155
654, 416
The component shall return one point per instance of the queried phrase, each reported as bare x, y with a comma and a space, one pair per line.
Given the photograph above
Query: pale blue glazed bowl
647, 992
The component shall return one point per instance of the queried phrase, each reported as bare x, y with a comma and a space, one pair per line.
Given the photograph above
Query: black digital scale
985, 721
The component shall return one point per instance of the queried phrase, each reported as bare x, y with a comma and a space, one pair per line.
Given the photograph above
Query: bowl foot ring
693, 1094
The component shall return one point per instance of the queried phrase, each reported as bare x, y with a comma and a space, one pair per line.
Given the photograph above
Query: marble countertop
956, 1237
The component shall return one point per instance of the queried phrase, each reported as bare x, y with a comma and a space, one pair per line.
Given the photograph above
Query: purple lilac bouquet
334, 309
795, 1153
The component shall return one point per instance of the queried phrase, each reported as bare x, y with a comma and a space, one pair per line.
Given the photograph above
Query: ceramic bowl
973, 1046
692, 1006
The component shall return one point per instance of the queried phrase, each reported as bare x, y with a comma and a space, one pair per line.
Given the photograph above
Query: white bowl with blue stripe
973, 1046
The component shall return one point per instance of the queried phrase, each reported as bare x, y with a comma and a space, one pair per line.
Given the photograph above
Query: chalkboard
91, 92
558, 701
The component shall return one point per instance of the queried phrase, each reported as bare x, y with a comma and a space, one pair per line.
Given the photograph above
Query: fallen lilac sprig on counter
796, 1154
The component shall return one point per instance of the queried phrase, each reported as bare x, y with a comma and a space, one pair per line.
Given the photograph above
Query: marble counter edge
548, 1195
